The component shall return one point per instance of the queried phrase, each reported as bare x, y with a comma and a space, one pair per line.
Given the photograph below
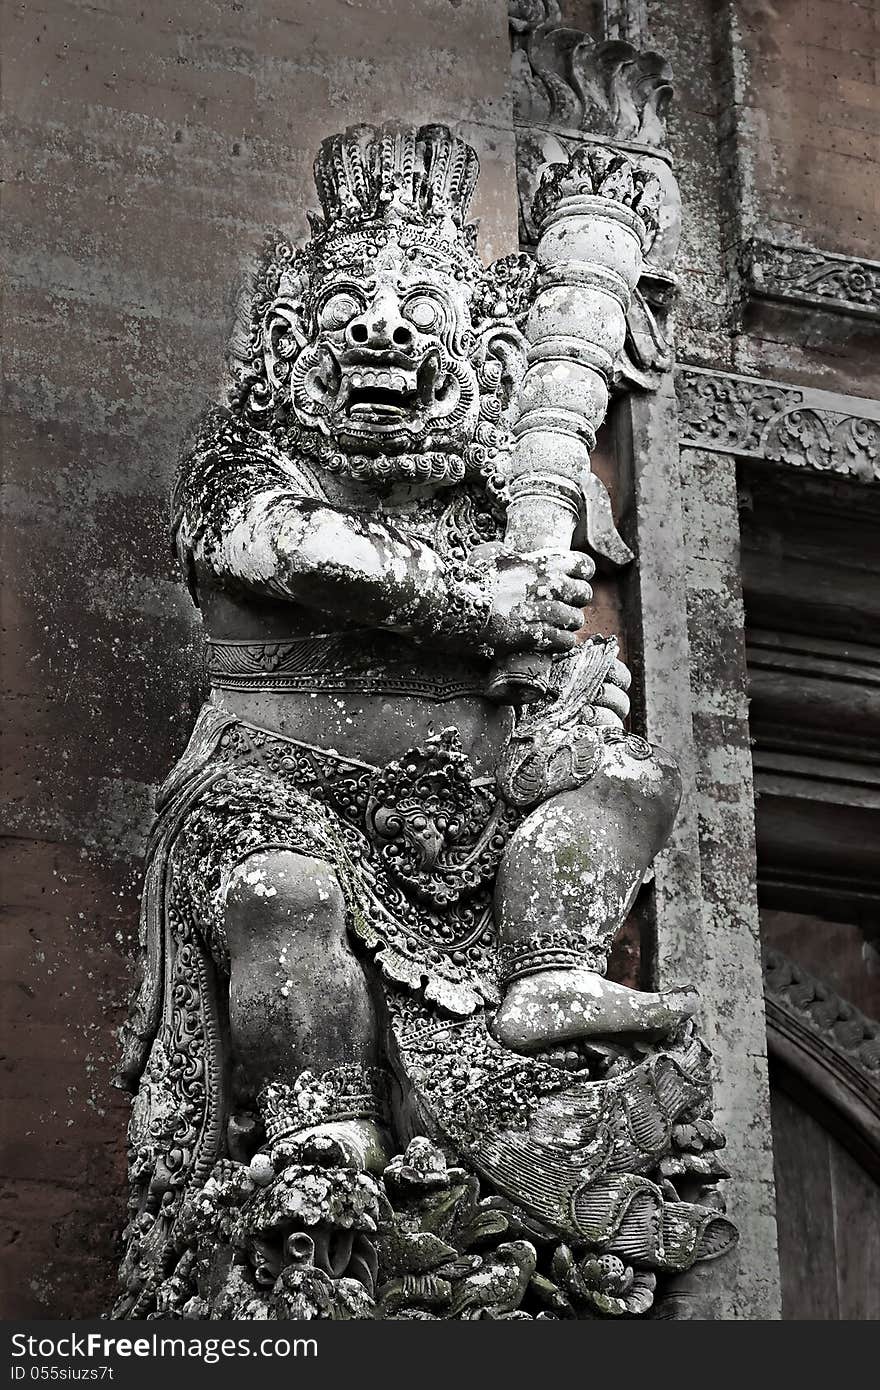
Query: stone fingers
576, 592
572, 562
557, 615
615, 699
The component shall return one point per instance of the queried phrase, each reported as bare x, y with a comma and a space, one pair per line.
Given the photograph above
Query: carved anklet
559, 949
317, 1098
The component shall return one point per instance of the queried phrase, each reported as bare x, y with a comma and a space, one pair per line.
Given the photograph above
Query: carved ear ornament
283, 337
268, 324
501, 351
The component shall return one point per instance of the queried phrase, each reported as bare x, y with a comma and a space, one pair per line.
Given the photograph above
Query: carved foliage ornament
564, 78
601, 173
783, 424
812, 279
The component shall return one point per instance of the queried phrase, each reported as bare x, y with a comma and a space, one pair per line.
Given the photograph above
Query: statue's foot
359, 1144
556, 1006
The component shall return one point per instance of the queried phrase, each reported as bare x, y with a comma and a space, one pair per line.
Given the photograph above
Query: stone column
686, 599
684, 627
597, 216
655, 589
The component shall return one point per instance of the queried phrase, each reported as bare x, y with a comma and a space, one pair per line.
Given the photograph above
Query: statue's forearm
353, 566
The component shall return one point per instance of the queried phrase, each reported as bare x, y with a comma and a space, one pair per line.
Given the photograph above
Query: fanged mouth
388, 395
373, 399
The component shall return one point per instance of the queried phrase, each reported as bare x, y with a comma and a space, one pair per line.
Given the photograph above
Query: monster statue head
382, 348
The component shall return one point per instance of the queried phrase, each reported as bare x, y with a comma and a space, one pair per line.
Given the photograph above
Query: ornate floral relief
423, 1241
783, 424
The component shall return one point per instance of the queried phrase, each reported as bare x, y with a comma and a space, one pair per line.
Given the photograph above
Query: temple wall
801, 134
814, 161
149, 147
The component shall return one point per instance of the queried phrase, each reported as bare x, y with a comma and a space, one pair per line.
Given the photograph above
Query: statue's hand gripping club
538, 599
597, 216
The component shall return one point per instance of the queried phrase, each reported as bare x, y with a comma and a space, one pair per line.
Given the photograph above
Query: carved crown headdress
419, 181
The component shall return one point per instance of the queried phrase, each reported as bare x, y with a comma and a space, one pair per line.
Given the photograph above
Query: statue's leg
298, 997
567, 881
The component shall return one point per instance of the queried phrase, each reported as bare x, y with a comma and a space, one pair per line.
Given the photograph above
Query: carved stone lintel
839, 1023
798, 426
810, 279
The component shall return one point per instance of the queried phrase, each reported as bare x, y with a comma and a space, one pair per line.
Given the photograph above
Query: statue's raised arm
250, 521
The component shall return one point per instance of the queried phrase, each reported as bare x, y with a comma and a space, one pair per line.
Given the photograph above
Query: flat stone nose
381, 325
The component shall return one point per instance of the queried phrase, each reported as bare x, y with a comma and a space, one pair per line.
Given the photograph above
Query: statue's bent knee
632, 802
567, 882
298, 996
578, 858
278, 893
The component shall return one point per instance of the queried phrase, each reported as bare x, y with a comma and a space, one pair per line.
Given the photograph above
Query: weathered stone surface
383, 929
729, 935
657, 593
207, 120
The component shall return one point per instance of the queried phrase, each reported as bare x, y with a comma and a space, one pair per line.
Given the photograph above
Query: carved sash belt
358, 662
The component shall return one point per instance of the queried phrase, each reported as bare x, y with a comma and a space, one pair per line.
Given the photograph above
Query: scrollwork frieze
840, 1024
813, 279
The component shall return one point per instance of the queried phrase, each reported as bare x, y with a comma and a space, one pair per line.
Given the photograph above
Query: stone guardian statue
378, 1068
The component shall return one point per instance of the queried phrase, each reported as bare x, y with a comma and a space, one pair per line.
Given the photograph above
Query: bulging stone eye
339, 310
426, 313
